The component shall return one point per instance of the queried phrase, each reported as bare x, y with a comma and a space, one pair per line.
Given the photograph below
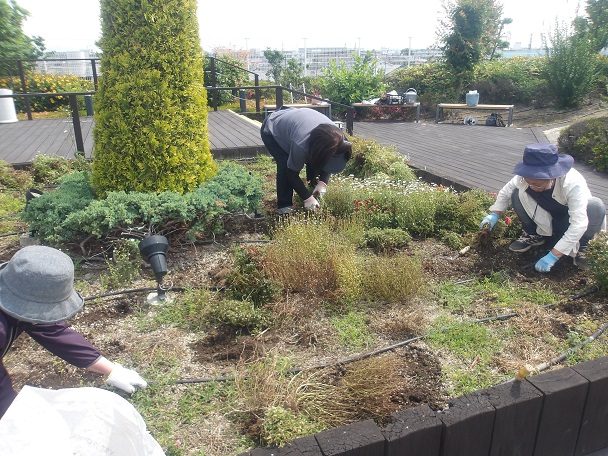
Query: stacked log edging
559, 413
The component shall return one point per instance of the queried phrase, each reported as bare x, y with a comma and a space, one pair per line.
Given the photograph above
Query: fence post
350, 115
28, 109
213, 84
257, 94
88, 102
243, 100
279, 97
94, 67
76, 122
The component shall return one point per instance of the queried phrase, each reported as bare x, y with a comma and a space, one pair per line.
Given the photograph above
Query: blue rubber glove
546, 263
491, 219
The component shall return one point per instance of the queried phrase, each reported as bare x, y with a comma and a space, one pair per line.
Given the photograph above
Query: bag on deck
494, 120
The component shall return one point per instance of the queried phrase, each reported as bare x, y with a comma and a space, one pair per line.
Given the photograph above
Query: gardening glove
320, 190
311, 203
490, 219
546, 263
125, 379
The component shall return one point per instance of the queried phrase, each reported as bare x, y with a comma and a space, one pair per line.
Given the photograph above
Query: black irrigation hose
414, 339
13, 234
140, 290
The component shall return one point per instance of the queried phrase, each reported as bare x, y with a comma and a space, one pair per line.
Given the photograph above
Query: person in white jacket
554, 205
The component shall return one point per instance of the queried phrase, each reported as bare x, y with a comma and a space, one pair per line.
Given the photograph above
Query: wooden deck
452, 154
230, 135
467, 156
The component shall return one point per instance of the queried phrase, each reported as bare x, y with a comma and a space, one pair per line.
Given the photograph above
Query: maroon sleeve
64, 342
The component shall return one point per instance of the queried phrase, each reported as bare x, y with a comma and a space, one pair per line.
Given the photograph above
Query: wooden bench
483, 107
325, 108
401, 105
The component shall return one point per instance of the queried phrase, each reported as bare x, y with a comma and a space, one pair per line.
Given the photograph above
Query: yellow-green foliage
47, 83
310, 254
392, 278
151, 111
372, 159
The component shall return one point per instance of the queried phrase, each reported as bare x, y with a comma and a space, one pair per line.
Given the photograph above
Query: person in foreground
302, 136
36, 297
554, 205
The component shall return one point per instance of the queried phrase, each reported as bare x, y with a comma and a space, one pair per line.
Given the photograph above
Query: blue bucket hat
36, 286
542, 161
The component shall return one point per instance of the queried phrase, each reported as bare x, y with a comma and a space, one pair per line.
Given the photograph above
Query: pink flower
508, 220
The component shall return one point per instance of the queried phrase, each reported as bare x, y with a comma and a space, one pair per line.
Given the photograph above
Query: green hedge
72, 213
587, 141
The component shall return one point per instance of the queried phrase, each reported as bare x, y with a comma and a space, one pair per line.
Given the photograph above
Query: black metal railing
72, 97
350, 110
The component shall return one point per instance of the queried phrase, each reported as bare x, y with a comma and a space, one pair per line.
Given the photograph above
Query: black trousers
596, 211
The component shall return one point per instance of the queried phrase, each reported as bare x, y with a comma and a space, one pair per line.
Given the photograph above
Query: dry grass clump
309, 255
537, 332
316, 399
399, 322
395, 278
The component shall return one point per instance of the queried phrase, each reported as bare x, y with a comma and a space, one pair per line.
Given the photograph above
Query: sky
68, 25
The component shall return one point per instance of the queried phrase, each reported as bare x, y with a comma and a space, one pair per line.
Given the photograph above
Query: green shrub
248, 281
71, 211
387, 239
509, 81
47, 214
372, 159
308, 254
570, 66
597, 255
151, 110
434, 83
123, 267
587, 141
48, 83
282, 426
13, 179
198, 309
47, 169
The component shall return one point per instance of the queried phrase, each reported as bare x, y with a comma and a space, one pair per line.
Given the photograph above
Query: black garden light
154, 250
32, 193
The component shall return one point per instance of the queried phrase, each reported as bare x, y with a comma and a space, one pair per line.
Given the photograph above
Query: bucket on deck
472, 98
409, 96
8, 112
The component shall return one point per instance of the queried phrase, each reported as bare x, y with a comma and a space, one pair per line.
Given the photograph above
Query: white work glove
311, 203
320, 190
125, 379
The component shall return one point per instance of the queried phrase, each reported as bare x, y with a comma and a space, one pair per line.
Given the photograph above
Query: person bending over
298, 137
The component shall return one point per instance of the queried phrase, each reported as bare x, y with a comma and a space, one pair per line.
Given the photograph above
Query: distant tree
293, 74
276, 61
230, 71
595, 25
570, 65
151, 108
14, 44
471, 32
353, 85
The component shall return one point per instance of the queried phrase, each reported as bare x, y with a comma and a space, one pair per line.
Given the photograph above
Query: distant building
315, 60
71, 62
